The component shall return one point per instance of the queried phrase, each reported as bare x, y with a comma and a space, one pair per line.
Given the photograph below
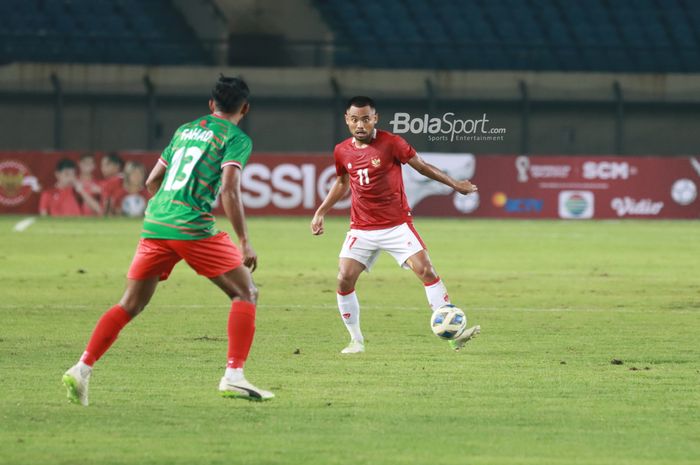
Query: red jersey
93, 189
109, 187
124, 203
376, 184
59, 202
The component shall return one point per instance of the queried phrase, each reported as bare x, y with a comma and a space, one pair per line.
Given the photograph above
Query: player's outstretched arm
155, 178
429, 171
233, 206
338, 190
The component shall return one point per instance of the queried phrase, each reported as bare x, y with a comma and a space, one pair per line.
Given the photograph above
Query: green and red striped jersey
194, 161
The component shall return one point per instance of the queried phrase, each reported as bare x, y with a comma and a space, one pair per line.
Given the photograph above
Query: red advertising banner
581, 187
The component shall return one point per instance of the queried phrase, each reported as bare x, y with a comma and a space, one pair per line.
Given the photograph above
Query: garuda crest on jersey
376, 162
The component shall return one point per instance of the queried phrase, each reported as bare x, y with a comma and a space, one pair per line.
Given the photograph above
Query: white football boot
242, 389
76, 381
468, 334
355, 347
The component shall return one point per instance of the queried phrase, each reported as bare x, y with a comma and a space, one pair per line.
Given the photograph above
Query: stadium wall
102, 107
510, 186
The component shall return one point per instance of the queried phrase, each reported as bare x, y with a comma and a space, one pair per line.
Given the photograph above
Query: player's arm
429, 171
338, 190
233, 206
89, 200
155, 178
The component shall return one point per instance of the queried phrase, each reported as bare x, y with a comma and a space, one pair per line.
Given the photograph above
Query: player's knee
132, 307
253, 291
248, 295
346, 282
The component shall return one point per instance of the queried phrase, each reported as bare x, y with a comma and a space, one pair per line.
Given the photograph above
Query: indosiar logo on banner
576, 204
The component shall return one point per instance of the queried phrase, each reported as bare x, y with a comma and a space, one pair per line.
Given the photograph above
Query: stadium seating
587, 35
96, 31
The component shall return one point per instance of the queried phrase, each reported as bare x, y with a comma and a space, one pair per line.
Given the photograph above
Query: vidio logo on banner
457, 165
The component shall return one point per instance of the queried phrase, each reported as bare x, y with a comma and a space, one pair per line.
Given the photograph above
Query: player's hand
317, 225
465, 187
78, 188
250, 258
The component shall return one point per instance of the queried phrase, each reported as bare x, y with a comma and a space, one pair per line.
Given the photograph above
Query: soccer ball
448, 322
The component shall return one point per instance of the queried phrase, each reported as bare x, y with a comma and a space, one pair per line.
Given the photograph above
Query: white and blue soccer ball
448, 322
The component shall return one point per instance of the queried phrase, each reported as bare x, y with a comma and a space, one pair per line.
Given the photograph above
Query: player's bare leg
436, 292
136, 296
435, 289
238, 285
348, 305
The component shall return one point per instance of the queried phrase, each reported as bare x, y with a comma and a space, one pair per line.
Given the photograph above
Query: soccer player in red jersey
89, 186
67, 198
111, 167
369, 164
131, 196
205, 157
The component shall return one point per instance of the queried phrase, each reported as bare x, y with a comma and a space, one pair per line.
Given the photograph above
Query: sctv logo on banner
576, 204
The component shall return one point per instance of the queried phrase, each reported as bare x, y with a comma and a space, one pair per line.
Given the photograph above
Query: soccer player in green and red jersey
205, 157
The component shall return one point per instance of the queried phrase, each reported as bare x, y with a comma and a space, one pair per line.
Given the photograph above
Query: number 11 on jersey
363, 174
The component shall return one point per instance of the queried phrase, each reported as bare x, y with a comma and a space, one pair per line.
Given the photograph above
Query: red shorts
209, 257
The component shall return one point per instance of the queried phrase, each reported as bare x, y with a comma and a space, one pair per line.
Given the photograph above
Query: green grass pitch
557, 302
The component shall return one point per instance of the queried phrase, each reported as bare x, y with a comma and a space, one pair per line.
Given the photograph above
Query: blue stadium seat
99, 31
593, 35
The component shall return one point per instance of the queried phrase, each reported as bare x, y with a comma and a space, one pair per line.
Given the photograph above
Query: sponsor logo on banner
287, 186
466, 203
517, 205
526, 170
624, 206
16, 183
576, 204
608, 170
418, 187
684, 192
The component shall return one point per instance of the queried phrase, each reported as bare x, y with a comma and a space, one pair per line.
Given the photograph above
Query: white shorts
364, 246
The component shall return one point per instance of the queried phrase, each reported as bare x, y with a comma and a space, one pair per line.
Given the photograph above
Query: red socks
105, 333
241, 329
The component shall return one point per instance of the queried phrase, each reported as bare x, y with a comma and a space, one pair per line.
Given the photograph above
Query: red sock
241, 329
105, 333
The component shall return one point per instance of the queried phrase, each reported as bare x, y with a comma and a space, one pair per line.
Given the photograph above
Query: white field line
367, 307
22, 226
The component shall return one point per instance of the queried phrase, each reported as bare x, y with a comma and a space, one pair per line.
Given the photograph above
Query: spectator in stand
131, 197
89, 185
67, 196
112, 178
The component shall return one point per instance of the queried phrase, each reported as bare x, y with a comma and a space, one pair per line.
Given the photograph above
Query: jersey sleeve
339, 165
237, 151
167, 153
403, 151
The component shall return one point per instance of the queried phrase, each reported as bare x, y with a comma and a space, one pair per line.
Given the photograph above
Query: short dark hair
360, 101
114, 158
230, 93
65, 164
